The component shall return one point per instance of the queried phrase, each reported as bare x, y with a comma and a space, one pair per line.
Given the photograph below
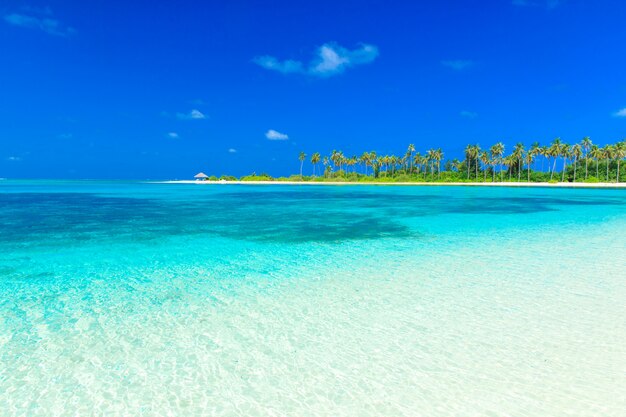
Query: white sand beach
468, 184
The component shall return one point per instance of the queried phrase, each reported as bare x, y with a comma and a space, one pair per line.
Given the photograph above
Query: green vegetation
556, 162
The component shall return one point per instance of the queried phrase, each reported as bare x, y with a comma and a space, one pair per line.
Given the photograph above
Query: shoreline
426, 184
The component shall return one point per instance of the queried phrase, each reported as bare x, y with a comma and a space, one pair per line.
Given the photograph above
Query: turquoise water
124, 298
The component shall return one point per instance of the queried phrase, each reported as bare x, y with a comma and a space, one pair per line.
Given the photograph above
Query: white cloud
469, 114
232, 150
44, 23
285, 67
331, 59
14, 158
192, 115
173, 135
458, 64
620, 113
274, 135
65, 136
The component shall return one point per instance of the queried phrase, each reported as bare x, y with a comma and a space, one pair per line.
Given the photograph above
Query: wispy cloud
39, 19
232, 150
192, 115
65, 136
458, 64
548, 4
620, 113
286, 67
14, 159
275, 135
469, 114
330, 59
173, 135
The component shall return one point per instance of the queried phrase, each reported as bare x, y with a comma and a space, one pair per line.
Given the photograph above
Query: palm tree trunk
575, 163
597, 169
563, 173
553, 168
607, 169
586, 163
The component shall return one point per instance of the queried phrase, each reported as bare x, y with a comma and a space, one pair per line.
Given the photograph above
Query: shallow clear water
228, 300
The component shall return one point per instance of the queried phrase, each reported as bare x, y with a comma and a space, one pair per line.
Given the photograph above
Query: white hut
201, 176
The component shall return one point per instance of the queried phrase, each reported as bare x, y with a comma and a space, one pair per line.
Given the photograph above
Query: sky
163, 90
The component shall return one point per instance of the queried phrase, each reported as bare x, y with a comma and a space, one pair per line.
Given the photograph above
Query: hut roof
201, 175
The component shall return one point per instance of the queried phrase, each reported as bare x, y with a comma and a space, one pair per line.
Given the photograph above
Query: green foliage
553, 163
254, 177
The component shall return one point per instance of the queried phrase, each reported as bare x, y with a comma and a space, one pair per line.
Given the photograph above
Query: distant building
201, 176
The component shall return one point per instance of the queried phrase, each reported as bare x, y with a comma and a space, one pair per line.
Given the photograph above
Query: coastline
427, 184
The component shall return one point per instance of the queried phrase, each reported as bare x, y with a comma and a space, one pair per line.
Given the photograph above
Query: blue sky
111, 89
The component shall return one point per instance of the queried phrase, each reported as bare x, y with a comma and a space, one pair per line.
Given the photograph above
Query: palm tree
438, 158
456, 164
484, 158
586, 145
497, 151
417, 160
326, 164
334, 157
507, 161
554, 151
543, 151
301, 157
424, 164
475, 153
597, 154
620, 153
566, 151
315, 159
530, 156
518, 154
409, 152
535, 149
430, 157
364, 160
577, 152
373, 161
608, 154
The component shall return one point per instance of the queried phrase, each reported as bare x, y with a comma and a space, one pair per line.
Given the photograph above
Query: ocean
142, 298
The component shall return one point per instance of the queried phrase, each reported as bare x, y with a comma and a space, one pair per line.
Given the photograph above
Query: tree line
557, 161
